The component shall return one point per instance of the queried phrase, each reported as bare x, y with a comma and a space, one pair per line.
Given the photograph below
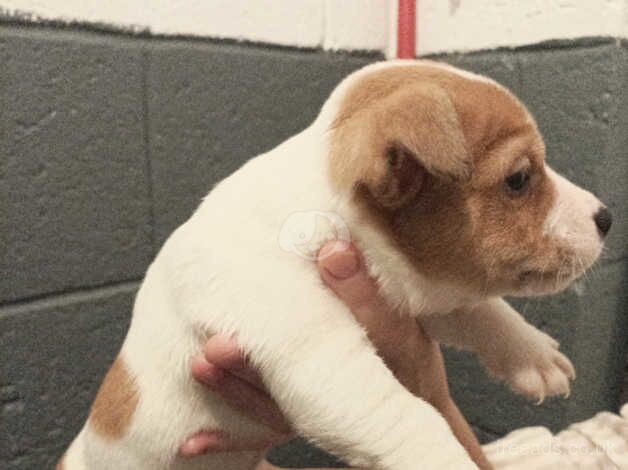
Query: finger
224, 353
339, 257
207, 373
204, 442
201, 443
341, 268
248, 399
204, 371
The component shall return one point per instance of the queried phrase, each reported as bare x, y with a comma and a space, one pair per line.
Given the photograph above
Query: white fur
227, 271
571, 219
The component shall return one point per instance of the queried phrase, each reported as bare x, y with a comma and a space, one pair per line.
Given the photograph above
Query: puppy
439, 178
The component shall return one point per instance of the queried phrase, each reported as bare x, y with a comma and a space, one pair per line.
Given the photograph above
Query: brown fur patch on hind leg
115, 403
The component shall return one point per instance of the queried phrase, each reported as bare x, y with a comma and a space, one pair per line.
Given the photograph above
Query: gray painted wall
108, 142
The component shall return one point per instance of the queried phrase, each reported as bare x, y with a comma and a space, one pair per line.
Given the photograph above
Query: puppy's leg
340, 394
327, 379
510, 348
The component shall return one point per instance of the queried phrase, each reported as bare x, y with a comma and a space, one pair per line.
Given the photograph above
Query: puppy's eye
518, 182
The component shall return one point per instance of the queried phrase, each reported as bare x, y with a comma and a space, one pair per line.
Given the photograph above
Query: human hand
411, 355
224, 370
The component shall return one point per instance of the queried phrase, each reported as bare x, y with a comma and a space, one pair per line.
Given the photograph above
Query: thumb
341, 268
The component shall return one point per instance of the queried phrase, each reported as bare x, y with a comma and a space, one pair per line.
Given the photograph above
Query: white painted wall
332, 24
464, 25
442, 25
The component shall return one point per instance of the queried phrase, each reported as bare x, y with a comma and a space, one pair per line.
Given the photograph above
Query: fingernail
196, 445
207, 372
343, 265
332, 247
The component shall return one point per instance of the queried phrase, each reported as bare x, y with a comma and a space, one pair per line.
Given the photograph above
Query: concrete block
212, 107
300, 454
502, 67
615, 190
75, 206
54, 353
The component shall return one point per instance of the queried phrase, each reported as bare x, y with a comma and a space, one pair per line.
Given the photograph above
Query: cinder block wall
109, 141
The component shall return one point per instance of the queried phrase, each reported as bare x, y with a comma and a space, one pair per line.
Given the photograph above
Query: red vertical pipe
406, 29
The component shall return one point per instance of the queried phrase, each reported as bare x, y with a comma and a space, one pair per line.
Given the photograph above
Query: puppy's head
451, 167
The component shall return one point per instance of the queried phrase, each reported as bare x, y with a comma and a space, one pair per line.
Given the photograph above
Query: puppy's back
148, 402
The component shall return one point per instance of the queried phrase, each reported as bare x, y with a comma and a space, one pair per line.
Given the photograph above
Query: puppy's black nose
603, 220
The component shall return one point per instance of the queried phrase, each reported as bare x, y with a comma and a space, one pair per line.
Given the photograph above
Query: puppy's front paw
532, 365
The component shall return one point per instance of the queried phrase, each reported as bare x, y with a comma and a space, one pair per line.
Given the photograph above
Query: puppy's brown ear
388, 143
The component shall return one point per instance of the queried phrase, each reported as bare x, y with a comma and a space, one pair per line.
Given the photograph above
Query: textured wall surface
442, 25
75, 187
108, 142
467, 25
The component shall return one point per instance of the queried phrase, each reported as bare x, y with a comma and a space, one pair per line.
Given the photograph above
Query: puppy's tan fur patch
417, 119
59, 465
115, 402
457, 223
